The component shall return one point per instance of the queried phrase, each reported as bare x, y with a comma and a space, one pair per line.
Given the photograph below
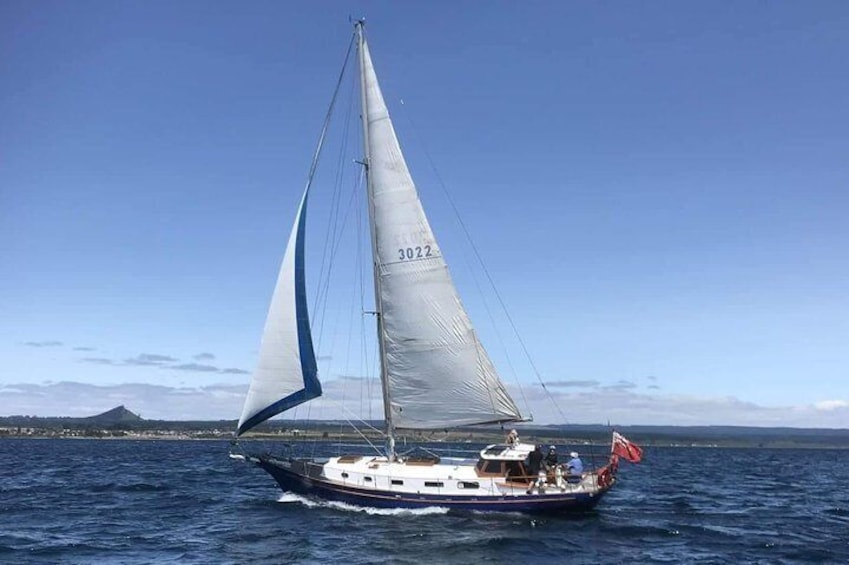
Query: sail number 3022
408, 253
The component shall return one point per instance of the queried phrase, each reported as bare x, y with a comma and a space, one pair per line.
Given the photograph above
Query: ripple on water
187, 502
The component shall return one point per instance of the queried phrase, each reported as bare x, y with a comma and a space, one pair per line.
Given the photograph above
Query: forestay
438, 372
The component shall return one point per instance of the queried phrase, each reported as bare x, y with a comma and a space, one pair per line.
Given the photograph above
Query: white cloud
587, 383
360, 398
47, 343
195, 367
828, 405
622, 406
150, 359
165, 362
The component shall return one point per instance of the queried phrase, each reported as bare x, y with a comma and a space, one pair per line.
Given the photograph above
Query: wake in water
290, 497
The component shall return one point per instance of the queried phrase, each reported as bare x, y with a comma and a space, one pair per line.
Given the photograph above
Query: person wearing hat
551, 458
575, 466
551, 465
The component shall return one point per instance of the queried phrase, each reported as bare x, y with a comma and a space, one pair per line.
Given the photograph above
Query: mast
381, 338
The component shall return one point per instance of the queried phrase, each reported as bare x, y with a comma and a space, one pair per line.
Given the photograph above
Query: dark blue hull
303, 477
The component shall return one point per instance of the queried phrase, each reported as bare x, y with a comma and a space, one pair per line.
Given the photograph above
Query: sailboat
434, 370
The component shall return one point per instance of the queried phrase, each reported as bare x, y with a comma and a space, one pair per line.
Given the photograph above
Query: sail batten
437, 372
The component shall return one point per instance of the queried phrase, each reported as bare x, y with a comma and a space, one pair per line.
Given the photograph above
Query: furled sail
287, 374
438, 373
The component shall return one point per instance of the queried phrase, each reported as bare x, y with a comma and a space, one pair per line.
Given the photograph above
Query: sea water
124, 501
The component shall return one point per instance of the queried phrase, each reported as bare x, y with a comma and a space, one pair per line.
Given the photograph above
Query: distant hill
119, 415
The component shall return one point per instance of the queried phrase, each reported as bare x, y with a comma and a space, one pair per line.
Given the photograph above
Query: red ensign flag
625, 449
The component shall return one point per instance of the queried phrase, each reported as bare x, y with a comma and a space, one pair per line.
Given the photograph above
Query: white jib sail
439, 373
286, 374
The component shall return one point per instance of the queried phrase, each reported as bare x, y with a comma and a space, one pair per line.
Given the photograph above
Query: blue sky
659, 191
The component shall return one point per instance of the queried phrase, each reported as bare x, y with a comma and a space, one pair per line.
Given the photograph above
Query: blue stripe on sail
284, 404
309, 368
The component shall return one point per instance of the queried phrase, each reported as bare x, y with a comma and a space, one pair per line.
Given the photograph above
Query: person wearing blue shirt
575, 466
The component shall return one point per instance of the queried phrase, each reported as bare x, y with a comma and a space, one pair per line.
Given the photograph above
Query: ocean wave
130, 487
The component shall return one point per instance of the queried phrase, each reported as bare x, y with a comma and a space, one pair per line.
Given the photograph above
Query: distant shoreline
478, 440
122, 423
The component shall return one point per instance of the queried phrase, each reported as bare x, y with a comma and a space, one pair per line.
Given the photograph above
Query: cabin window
344, 475
468, 484
492, 467
397, 482
367, 479
515, 469
436, 484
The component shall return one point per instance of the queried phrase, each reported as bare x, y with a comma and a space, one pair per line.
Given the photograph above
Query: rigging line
353, 295
357, 284
498, 335
482, 264
374, 371
333, 228
478, 349
357, 272
344, 398
365, 362
362, 435
334, 245
351, 317
326, 283
366, 367
324, 128
340, 169
365, 370
330, 234
361, 241
365, 424
335, 206
347, 363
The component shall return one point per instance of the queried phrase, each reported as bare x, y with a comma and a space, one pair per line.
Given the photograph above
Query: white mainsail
438, 373
287, 374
